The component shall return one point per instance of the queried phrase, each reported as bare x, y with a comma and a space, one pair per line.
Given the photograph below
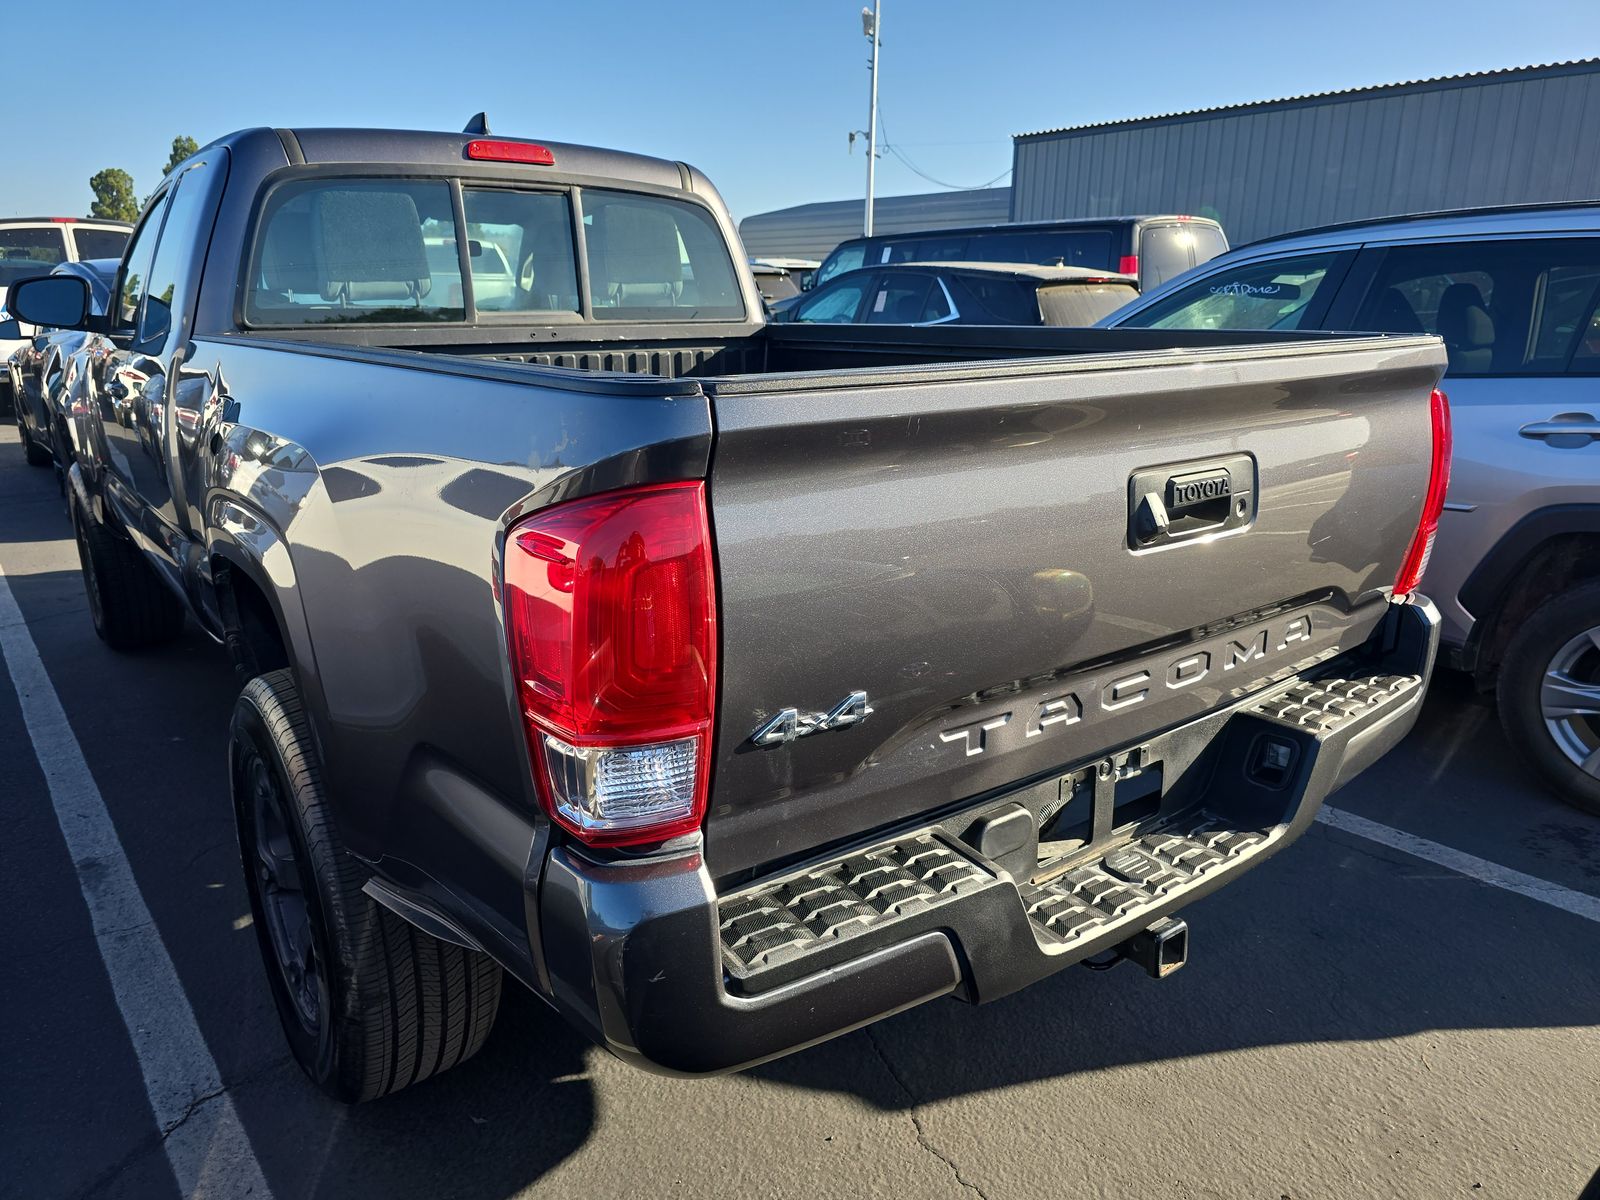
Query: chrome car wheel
1569, 700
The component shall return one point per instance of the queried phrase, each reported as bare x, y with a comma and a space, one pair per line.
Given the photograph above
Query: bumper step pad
1132, 877
810, 915
776, 923
1323, 705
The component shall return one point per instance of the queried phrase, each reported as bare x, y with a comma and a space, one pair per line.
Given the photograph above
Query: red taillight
611, 619
1416, 561
519, 152
1128, 264
65, 220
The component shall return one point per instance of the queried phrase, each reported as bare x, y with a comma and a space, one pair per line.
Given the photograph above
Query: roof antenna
479, 125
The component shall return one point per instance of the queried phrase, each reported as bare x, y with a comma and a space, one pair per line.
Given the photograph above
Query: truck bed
816, 349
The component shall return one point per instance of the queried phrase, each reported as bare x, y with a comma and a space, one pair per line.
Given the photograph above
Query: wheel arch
257, 600
1544, 554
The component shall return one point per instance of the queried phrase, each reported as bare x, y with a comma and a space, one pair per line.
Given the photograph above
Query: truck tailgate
1025, 564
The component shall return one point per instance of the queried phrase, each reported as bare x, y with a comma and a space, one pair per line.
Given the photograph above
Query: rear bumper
668, 974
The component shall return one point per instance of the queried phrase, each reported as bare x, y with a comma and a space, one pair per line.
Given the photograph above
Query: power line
916, 170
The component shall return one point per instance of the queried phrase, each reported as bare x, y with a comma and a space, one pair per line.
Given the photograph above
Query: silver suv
1513, 293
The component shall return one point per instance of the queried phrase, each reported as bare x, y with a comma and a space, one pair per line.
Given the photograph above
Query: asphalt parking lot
1356, 1020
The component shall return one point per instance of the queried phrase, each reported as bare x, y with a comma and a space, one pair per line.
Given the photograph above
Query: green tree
113, 195
182, 146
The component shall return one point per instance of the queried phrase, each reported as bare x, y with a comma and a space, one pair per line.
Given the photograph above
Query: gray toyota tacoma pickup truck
730, 686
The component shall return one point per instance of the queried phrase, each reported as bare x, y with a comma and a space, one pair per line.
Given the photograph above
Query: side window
898, 299
929, 249
1514, 306
1565, 319
937, 306
838, 302
1586, 355
1258, 295
136, 265
984, 300
99, 243
186, 212
1165, 252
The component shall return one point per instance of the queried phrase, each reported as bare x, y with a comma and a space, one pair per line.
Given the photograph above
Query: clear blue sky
760, 94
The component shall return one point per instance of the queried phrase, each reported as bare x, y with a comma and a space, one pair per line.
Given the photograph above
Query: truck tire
37, 455
369, 1003
1549, 694
130, 607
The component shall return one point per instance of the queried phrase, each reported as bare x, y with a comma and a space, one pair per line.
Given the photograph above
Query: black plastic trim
1491, 579
635, 952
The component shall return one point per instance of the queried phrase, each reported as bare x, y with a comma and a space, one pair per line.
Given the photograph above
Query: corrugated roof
1343, 93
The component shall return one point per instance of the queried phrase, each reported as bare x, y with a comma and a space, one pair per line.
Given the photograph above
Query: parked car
780, 279
962, 294
729, 685
1514, 293
40, 372
1154, 249
34, 245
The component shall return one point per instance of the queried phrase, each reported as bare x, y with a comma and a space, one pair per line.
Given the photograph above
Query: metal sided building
1522, 135
813, 230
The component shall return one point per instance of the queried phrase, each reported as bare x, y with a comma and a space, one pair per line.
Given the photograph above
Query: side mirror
56, 301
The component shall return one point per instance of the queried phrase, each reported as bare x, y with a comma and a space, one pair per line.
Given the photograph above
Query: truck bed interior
727, 352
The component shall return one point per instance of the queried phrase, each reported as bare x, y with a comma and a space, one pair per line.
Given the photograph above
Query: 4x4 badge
790, 723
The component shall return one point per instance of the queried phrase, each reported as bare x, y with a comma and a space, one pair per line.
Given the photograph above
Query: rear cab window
389, 251
356, 250
653, 258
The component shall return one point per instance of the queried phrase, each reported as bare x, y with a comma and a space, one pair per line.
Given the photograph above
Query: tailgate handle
1190, 500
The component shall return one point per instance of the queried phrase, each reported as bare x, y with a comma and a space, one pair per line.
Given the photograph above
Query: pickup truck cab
730, 686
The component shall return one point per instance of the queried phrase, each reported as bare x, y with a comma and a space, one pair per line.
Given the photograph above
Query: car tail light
518, 152
1128, 264
611, 620
1416, 561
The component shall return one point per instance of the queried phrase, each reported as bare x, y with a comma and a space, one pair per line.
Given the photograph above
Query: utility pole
869, 27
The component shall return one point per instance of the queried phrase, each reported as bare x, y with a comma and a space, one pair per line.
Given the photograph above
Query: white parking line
208, 1148
1580, 904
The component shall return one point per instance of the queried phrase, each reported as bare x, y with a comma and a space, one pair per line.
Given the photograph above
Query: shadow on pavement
489, 1128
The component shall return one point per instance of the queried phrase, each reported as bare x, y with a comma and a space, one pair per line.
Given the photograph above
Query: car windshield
1257, 295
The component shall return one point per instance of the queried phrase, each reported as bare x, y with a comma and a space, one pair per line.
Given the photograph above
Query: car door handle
1581, 427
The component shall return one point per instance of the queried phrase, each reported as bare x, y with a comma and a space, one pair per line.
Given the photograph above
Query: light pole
869, 27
